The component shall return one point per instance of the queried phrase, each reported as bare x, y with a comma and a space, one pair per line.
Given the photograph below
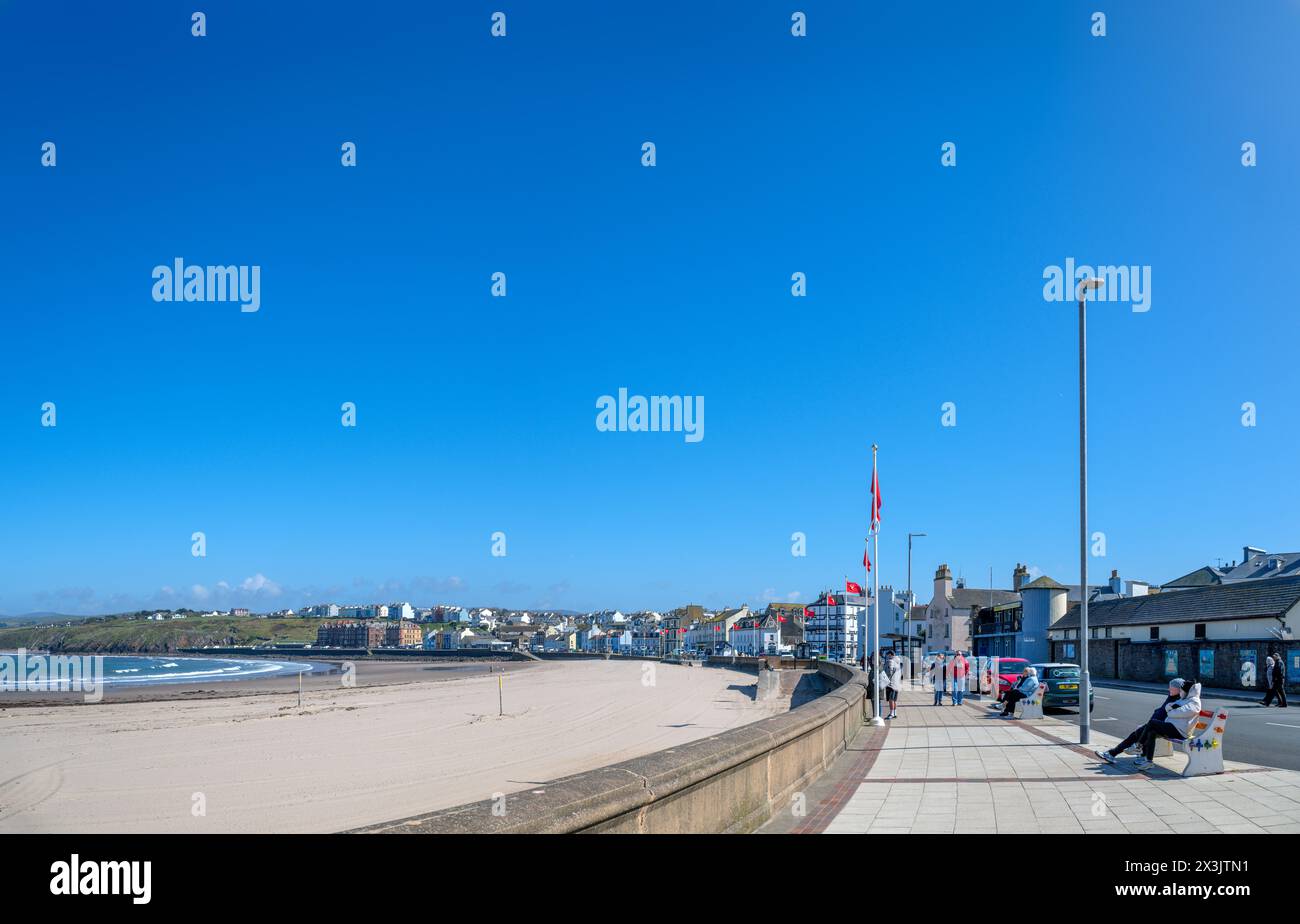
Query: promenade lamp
1085, 686
907, 617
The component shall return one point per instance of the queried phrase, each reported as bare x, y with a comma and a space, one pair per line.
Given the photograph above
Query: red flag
852, 587
808, 613
830, 601
875, 497
865, 560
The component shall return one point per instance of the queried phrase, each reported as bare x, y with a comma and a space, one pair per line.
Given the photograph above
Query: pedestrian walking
1171, 720
893, 683
939, 671
1025, 687
1275, 680
960, 672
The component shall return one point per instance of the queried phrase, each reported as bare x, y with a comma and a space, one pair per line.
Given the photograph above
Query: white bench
1032, 707
1203, 747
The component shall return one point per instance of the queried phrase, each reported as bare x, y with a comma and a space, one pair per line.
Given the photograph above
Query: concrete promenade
959, 769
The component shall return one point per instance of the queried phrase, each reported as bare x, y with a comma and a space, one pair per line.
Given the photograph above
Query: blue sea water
154, 669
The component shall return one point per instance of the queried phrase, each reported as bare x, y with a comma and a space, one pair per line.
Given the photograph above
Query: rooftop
1245, 600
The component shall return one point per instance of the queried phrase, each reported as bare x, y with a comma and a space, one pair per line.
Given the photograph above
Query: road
1255, 734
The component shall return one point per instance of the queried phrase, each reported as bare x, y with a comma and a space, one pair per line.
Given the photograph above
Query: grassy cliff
119, 634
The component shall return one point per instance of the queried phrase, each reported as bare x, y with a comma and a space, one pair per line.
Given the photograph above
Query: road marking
1110, 719
1282, 725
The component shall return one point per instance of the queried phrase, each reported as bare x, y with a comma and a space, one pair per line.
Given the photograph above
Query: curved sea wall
729, 783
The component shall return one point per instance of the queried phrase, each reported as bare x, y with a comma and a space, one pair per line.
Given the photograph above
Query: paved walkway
958, 769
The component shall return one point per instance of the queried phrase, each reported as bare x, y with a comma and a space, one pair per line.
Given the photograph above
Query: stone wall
729, 783
1125, 659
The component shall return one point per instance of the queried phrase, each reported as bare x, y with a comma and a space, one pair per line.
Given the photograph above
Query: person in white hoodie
1172, 719
1026, 687
893, 683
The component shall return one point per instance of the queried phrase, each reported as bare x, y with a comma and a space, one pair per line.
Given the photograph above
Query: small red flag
852, 587
865, 559
808, 613
830, 601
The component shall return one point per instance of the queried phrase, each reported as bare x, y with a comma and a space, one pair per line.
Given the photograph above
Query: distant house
517, 636
832, 629
239, 613
953, 608
790, 621
756, 635
1256, 565
403, 634
713, 630
565, 641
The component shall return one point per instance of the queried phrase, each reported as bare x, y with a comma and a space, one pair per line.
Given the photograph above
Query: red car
1009, 670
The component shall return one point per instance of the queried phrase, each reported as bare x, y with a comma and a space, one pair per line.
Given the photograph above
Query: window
1108, 632
1200, 630
1155, 633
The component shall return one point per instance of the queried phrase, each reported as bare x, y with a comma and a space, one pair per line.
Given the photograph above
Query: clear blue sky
522, 154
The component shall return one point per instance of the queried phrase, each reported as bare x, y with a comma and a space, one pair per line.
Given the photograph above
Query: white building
400, 611
756, 635
893, 628
833, 629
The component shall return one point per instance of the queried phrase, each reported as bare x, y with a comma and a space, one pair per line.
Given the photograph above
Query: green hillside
121, 634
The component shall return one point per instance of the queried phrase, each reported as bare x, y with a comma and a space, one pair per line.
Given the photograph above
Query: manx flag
875, 498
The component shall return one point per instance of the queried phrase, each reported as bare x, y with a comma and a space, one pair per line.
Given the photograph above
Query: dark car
1062, 686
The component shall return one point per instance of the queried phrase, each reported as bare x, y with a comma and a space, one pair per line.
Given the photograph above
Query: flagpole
875, 591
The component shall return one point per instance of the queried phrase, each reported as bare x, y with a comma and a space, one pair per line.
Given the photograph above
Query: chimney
1019, 577
1116, 585
943, 583
1249, 550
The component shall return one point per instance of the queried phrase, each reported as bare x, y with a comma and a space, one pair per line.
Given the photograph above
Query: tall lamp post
1085, 688
907, 617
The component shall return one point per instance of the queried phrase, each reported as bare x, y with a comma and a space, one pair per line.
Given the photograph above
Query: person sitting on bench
1171, 720
1026, 687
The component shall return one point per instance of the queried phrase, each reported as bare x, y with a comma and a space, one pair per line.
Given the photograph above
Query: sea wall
728, 783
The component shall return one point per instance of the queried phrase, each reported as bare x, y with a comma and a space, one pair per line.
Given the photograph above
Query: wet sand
351, 756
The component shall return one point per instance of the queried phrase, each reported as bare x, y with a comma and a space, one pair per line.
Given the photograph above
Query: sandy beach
349, 757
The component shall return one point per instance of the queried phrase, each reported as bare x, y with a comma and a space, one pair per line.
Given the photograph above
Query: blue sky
521, 154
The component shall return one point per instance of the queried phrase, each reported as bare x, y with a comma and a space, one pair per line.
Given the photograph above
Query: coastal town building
1256, 565
1219, 634
952, 608
832, 625
756, 635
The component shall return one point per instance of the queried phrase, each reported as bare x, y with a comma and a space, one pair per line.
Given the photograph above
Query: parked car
1009, 670
1062, 686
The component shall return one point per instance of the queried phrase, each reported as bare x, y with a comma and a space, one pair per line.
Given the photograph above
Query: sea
26, 670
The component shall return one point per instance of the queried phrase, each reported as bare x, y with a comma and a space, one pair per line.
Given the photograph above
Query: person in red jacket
960, 671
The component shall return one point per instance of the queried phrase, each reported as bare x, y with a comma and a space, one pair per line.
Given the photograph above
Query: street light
907, 617
1085, 687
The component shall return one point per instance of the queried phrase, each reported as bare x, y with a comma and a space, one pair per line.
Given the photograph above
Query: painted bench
1203, 747
1032, 707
